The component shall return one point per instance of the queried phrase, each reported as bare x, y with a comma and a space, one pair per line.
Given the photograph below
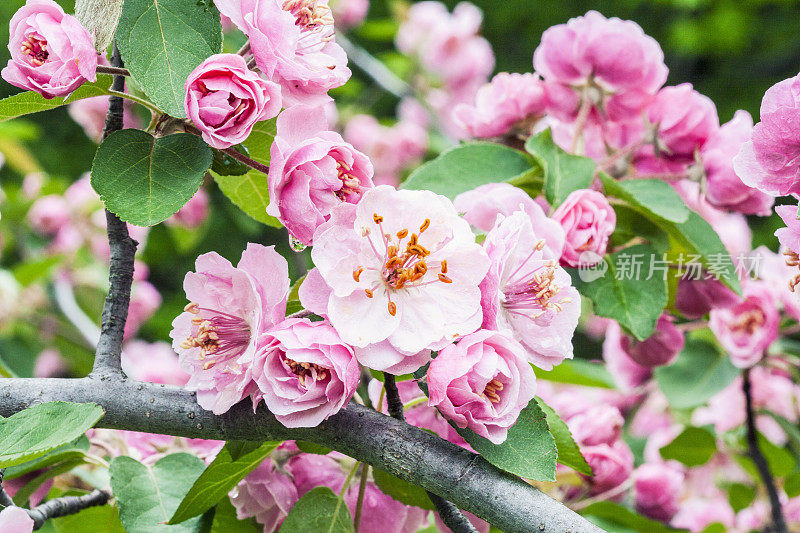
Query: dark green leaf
653, 197
693, 447
402, 491
146, 180
226, 165
569, 454
318, 510
42, 428
31, 102
578, 372
563, 172
227, 469
470, 165
162, 41
620, 518
103, 519
310, 447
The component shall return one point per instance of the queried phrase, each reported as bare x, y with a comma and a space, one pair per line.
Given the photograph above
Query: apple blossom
657, 489
193, 213
379, 507
267, 494
309, 470
612, 465
696, 514
627, 373
599, 424
588, 221
662, 347
15, 520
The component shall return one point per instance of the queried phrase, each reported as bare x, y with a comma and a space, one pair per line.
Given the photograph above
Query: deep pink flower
662, 347
193, 213
216, 337
588, 221
608, 62
657, 489
508, 100
310, 470
526, 294
627, 373
695, 298
15, 520
770, 160
266, 493
402, 266
225, 100
611, 464
482, 383
304, 372
152, 362
747, 329
51, 53
599, 424
724, 188
311, 171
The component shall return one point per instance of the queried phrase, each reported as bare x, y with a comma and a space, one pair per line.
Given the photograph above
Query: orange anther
444, 266
425, 225
402, 234
445, 279
357, 273
377, 218
368, 292
392, 309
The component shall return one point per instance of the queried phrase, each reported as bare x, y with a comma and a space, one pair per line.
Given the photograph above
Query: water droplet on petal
296, 245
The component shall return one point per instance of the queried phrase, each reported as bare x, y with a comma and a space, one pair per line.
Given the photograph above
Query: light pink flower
381, 513
225, 100
695, 514
482, 526
526, 294
657, 489
588, 221
310, 470
15, 520
145, 300
724, 188
349, 13
49, 214
193, 213
266, 493
420, 415
311, 171
304, 372
662, 347
612, 465
216, 337
482, 383
627, 373
770, 160
90, 114
610, 62
49, 364
599, 424
780, 277
508, 100
152, 362
747, 329
789, 236
51, 53
403, 267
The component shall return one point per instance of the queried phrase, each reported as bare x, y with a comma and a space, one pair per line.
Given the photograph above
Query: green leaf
578, 372
42, 428
318, 510
31, 271
219, 478
103, 519
569, 454
23, 495
693, 447
148, 495
631, 224
162, 41
563, 172
402, 491
31, 102
146, 180
699, 373
791, 485
249, 191
529, 451
470, 165
310, 447
740, 496
225, 520
655, 198
616, 517
622, 290
68, 452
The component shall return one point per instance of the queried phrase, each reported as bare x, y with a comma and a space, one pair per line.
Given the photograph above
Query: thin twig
362, 486
252, 163
66, 505
116, 71
244, 49
778, 521
449, 513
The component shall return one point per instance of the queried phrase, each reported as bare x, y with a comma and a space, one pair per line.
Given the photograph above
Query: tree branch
66, 505
116, 71
410, 453
778, 521
123, 249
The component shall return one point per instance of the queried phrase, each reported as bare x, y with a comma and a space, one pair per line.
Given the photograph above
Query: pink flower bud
627, 373
383, 514
225, 100
266, 494
662, 347
145, 300
349, 13
657, 489
611, 464
599, 424
51, 53
193, 213
482, 383
588, 221
49, 364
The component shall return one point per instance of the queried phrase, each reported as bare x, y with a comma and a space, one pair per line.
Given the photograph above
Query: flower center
221, 336
404, 261
536, 292
792, 260
351, 186
749, 322
491, 390
311, 15
36, 48
303, 370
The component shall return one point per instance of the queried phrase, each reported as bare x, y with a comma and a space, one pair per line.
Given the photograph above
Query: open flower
527, 294
51, 53
267, 494
402, 266
482, 383
311, 171
304, 372
230, 308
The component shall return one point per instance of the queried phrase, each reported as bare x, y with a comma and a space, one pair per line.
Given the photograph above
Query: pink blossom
610, 57
420, 415
267, 494
15, 520
349, 13
51, 53
662, 347
304, 372
780, 277
526, 294
506, 101
695, 298
152, 362
747, 329
12, 486
193, 213
627, 373
657, 489
769, 160
588, 221
311, 171
225, 100
90, 114
789, 236
724, 188
310, 470
216, 337
401, 266
381, 513
482, 383
145, 300
49, 214
611, 464
695, 514
49, 364
599, 424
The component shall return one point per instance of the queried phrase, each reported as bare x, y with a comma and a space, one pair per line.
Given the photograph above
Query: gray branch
66, 505
410, 453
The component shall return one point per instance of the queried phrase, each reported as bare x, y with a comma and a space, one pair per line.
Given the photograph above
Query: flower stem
360, 503
132, 98
115, 71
